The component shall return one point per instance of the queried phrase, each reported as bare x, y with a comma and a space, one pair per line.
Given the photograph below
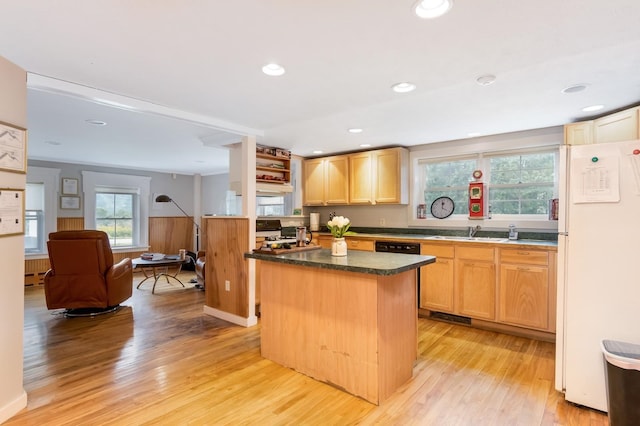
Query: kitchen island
349, 321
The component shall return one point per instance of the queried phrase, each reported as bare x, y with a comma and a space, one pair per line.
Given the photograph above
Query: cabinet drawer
437, 250
531, 257
358, 244
475, 253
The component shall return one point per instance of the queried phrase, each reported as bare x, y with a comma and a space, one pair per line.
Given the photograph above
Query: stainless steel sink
458, 238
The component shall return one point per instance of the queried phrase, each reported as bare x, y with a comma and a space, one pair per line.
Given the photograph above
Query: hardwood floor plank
160, 361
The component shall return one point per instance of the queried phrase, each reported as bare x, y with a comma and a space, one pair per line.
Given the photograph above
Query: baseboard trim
13, 407
235, 319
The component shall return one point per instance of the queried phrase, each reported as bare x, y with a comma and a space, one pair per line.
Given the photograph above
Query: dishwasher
401, 247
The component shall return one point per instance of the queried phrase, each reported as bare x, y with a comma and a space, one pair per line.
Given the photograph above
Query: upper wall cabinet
326, 181
372, 177
379, 177
620, 126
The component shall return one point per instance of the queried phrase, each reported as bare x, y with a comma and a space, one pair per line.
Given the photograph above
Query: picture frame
69, 202
13, 148
70, 186
12, 207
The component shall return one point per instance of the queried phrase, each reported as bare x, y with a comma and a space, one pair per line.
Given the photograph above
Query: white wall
178, 187
215, 195
13, 110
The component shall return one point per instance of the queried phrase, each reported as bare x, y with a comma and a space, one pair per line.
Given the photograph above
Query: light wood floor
159, 360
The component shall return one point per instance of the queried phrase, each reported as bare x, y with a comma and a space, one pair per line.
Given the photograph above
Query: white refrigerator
598, 263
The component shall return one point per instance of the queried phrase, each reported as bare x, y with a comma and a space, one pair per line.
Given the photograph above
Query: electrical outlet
383, 222
227, 285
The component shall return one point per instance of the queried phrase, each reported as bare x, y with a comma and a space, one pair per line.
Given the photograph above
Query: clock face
442, 207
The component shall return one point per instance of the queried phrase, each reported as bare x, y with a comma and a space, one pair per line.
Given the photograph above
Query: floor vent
450, 317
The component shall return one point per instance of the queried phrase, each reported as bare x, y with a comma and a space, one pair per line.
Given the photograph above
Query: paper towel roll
314, 221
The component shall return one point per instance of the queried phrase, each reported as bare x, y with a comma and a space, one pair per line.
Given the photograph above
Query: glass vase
338, 247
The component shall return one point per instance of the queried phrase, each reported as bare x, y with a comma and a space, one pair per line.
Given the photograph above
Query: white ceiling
201, 61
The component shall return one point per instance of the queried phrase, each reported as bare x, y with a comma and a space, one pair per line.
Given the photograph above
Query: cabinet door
324, 241
524, 295
618, 127
476, 289
578, 133
314, 182
360, 175
390, 176
436, 285
336, 182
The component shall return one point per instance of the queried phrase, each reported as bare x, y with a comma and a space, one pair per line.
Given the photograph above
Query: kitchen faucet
473, 231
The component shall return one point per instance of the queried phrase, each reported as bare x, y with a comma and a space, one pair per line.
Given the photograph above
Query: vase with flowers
339, 227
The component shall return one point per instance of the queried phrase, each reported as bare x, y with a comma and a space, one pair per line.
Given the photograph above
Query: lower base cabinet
436, 280
511, 286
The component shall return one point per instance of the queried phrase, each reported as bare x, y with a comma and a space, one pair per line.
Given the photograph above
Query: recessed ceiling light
473, 134
355, 130
273, 69
574, 89
365, 145
317, 151
593, 108
485, 80
96, 122
54, 143
432, 8
403, 87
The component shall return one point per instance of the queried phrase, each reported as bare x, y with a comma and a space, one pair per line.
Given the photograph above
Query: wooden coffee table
160, 268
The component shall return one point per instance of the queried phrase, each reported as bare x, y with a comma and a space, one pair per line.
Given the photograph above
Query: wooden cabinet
326, 181
314, 182
621, 126
436, 280
475, 282
372, 177
336, 189
364, 244
525, 296
379, 177
353, 243
579, 133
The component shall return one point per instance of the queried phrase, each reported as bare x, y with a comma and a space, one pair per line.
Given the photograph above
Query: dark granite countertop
421, 238
356, 261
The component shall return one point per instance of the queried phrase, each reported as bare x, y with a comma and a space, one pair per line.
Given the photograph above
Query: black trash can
622, 373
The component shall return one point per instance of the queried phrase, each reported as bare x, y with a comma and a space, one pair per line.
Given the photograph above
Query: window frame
94, 182
539, 140
50, 177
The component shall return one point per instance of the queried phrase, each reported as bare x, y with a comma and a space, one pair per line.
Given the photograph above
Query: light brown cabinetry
617, 127
353, 243
372, 177
326, 181
475, 282
436, 280
379, 177
525, 297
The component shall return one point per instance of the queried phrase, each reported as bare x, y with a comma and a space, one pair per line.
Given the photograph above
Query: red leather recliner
83, 274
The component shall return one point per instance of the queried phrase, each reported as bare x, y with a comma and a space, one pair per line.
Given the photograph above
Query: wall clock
442, 207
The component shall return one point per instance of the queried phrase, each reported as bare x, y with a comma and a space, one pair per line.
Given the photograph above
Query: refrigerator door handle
564, 234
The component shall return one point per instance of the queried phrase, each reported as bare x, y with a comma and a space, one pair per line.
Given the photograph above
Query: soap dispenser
513, 234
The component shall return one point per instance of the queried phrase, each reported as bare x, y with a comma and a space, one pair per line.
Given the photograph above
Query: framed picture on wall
13, 148
69, 203
69, 186
11, 211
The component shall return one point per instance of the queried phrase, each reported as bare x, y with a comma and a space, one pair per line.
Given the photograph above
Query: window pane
34, 233
451, 179
522, 183
114, 215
